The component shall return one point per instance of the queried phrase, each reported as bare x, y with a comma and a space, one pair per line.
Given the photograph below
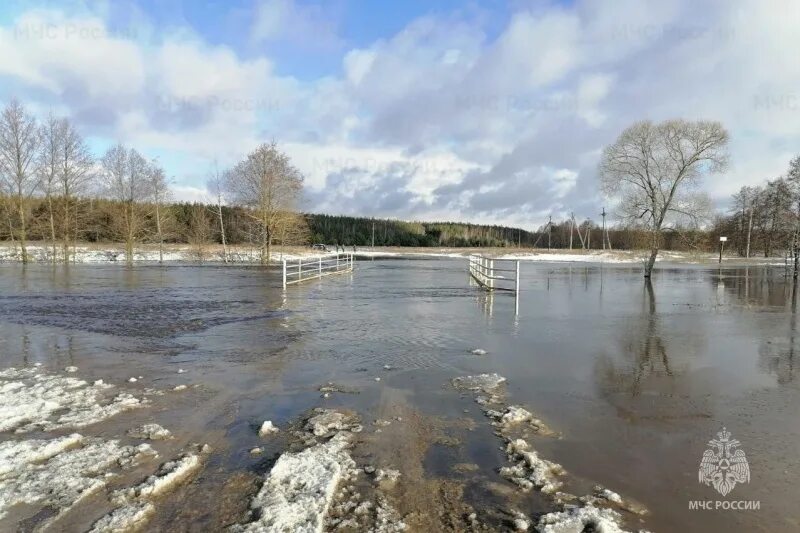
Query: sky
484, 111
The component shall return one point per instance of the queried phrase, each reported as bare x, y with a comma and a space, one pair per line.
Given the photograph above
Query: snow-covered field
239, 254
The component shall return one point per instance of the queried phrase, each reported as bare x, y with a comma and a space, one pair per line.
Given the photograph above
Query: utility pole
571, 225
373, 234
549, 230
603, 214
519, 239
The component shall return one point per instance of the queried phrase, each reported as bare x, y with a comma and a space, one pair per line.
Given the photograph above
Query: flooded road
635, 379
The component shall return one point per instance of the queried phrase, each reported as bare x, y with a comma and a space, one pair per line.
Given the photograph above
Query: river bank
92, 253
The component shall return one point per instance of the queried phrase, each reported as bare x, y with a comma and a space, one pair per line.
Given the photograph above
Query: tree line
765, 219
53, 189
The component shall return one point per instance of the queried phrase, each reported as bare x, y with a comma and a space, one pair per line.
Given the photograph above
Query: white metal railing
495, 274
308, 268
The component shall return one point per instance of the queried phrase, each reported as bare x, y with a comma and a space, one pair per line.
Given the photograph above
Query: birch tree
47, 166
127, 179
159, 189
654, 170
216, 186
19, 145
269, 186
76, 174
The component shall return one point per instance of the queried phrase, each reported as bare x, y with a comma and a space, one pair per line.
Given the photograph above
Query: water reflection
648, 378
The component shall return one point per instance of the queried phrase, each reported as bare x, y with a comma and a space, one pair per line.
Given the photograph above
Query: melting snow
150, 431
60, 472
531, 470
30, 400
481, 382
579, 519
267, 428
135, 503
299, 489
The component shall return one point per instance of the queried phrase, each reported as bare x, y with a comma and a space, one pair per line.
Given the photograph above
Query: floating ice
300, 488
388, 475
267, 428
127, 518
60, 472
179, 387
328, 420
479, 351
579, 519
481, 382
135, 507
30, 401
150, 431
132, 380
71, 369
530, 470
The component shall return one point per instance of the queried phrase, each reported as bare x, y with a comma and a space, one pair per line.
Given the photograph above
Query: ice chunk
71, 369
267, 428
30, 401
481, 382
58, 472
126, 518
135, 507
327, 420
479, 351
531, 470
300, 488
388, 475
150, 431
579, 519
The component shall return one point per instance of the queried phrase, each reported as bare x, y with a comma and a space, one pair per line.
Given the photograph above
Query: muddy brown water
637, 379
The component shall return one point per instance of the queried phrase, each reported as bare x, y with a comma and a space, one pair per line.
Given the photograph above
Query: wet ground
635, 378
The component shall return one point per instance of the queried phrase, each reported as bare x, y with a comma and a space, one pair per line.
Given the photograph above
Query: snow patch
135, 503
579, 519
30, 400
300, 488
481, 382
267, 429
60, 472
530, 470
151, 432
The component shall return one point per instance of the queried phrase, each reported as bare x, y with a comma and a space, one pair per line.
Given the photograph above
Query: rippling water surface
637, 378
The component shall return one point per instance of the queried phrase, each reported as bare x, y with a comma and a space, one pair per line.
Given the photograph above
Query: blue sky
486, 111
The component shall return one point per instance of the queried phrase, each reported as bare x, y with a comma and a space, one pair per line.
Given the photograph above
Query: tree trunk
749, 231
222, 234
160, 236
52, 226
129, 234
22, 232
648, 267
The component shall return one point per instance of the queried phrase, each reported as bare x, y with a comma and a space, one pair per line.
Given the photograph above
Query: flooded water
636, 378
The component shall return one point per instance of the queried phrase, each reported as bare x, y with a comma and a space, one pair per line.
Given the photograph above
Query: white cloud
437, 120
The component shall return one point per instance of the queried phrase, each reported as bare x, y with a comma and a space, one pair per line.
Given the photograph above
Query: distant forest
97, 220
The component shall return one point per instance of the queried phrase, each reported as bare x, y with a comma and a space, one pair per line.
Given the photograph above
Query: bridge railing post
299, 269
284, 273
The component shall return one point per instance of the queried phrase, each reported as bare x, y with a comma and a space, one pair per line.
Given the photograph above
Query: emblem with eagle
723, 465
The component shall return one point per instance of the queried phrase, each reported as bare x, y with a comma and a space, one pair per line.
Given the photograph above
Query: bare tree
199, 230
269, 186
159, 189
47, 166
216, 186
19, 145
127, 178
75, 176
654, 169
